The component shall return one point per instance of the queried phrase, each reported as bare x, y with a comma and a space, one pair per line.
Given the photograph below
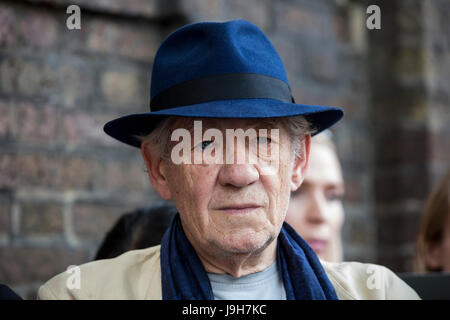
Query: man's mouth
240, 208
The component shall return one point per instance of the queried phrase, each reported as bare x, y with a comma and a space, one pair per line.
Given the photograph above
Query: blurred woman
433, 244
315, 210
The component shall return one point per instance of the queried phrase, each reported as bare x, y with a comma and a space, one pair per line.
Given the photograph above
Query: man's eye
264, 140
205, 144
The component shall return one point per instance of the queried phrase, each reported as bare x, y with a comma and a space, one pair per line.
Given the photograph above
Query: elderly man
225, 141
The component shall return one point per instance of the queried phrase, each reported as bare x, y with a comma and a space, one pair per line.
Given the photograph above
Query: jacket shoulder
135, 274
365, 281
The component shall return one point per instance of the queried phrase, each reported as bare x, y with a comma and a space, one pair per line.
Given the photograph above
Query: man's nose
238, 175
316, 210
238, 170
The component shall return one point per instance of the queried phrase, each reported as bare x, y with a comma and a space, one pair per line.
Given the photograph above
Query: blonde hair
325, 138
436, 212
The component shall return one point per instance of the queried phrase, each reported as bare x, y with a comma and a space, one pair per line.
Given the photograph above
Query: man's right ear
156, 168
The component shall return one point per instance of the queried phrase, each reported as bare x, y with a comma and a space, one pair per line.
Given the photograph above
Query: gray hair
297, 127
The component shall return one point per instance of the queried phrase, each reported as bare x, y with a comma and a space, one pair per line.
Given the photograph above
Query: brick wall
410, 112
63, 182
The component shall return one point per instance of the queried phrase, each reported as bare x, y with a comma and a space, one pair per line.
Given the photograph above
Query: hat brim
125, 129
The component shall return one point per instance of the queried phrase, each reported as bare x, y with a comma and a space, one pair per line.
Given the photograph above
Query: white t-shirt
263, 285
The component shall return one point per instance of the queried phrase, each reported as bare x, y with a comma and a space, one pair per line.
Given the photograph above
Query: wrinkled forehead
224, 123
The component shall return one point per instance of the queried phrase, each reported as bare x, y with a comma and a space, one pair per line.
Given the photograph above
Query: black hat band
222, 87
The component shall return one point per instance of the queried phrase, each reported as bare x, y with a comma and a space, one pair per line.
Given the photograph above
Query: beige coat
137, 275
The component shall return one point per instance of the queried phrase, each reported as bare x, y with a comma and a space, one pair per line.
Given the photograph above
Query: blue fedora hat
218, 70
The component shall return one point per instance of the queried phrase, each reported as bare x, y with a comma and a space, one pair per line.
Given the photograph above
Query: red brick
125, 40
8, 171
357, 229
27, 29
394, 259
440, 147
146, 8
37, 79
78, 173
44, 170
121, 88
394, 187
341, 25
351, 106
398, 228
77, 82
83, 127
300, 20
255, 11
305, 94
93, 220
406, 103
199, 10
5, 216
28, 77
407, 18
108, 175
7, 27
5, 121
402, 146
354, 189
10, 69
291, 54
322, 65
125, 176
74, 172
38, 124
37, 29
409, 61
29, 170
40, 218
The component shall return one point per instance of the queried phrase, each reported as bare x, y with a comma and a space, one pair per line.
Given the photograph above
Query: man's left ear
156, 172
301, 163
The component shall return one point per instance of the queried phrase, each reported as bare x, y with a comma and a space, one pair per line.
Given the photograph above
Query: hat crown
212, 48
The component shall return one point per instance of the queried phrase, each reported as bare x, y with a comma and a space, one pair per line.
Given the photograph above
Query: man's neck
239, 264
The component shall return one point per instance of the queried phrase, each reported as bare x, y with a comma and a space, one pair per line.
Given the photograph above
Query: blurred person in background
139, 229
433, 244
315, 210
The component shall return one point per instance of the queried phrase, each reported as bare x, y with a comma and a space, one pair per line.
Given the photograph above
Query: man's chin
246, 244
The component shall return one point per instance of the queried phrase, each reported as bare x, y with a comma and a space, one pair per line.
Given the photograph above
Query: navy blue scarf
184, 277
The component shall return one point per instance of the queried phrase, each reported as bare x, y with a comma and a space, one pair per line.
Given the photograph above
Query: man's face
232, 208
